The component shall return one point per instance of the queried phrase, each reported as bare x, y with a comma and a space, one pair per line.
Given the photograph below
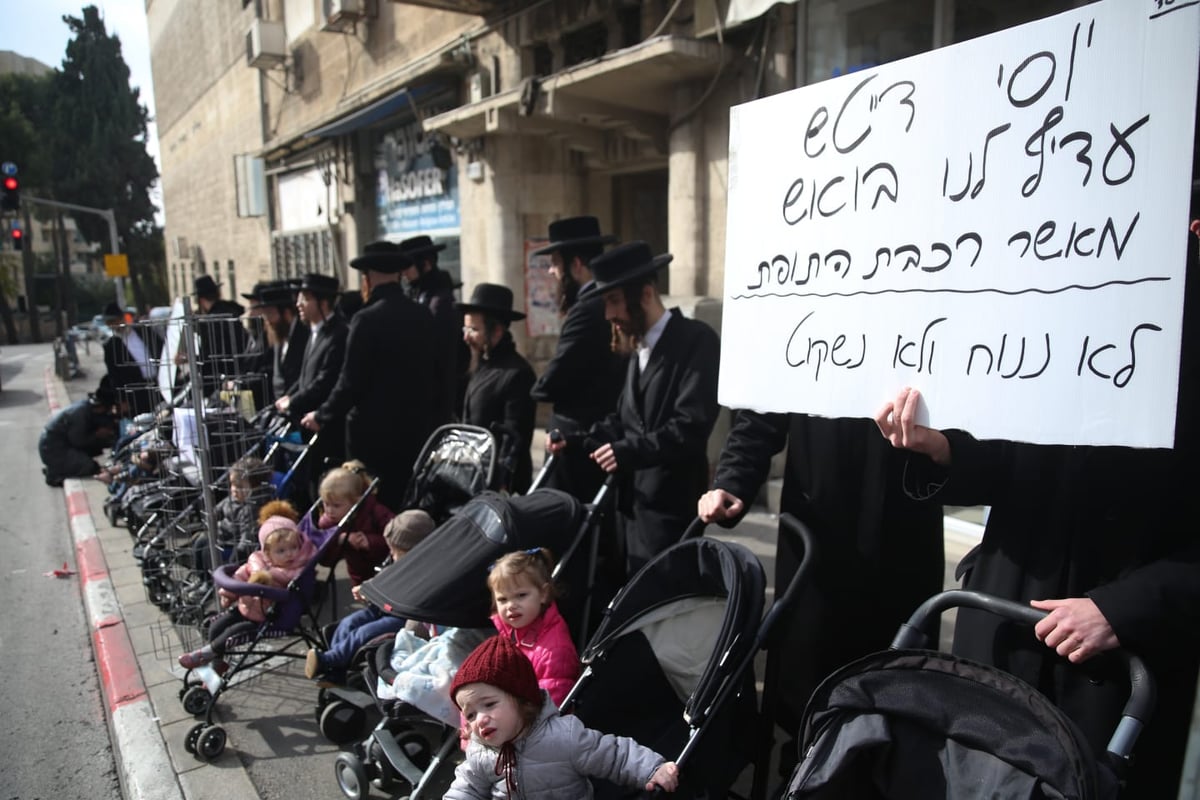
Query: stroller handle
1143, 694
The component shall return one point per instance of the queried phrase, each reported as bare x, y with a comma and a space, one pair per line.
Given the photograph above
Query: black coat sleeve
745, 461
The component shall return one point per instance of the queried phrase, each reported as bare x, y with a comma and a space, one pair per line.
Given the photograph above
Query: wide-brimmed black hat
113, 311
418, 246
104, 394
205, 286
254, 294
382, 256
493, 300
574, 232
624, 264
321, 285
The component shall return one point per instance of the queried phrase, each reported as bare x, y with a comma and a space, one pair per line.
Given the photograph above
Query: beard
277, 332
568, 291
478, 355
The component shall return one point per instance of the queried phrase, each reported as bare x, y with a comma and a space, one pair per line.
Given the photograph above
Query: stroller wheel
342, 722
351, 776
193, 736
196, 699
211, 743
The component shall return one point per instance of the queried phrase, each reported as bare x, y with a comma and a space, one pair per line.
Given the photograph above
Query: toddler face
492, 714
286, 553
239, 491
336, 507
519, 603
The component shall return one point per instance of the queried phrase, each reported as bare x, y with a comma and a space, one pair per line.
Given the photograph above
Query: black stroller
672, 663
914, 723
443, 580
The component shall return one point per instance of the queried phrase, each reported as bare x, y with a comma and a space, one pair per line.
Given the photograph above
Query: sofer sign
417, 184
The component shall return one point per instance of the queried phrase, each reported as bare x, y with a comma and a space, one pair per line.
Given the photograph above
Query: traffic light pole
109, 217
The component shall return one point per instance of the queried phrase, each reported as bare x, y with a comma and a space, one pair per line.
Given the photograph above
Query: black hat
277, 293
113, 311
382, 256
573, 232
205, 286
321, 285
104, 394
626, 263
419, 246
256, 293
493, 300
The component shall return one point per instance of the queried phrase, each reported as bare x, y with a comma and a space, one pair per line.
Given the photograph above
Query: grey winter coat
554, 761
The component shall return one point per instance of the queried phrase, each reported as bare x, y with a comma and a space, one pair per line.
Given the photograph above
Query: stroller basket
456, 464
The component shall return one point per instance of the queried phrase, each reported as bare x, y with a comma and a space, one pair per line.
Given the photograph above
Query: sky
35, 29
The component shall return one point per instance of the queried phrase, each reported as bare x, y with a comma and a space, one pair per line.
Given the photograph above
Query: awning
388, 106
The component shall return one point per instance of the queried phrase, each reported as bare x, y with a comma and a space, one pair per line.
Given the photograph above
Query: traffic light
12, 194
18, 238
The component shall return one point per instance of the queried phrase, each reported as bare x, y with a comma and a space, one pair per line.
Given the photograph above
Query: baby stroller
291, 627
456, 464
914, 723
442, 580
672, 663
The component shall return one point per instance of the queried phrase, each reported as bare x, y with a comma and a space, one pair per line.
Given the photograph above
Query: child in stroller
364, 549
515, 730
284, 555
236, 515
404, 532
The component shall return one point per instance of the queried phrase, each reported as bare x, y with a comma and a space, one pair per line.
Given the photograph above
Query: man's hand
718, 505
309, 421
1074, 628
555, 444
897, 422
281, 405
605, 457
666, 777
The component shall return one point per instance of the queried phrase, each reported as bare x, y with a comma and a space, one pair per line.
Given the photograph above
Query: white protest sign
1001, 224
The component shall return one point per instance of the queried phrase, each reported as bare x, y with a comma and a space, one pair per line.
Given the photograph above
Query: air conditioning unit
266, 44
343, 15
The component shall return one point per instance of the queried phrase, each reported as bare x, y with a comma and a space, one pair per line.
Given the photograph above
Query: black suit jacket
390, 391
126, 376
320, 367
286, 368
499, 393
659, 434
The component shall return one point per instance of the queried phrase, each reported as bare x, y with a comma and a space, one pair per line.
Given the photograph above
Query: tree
99, 141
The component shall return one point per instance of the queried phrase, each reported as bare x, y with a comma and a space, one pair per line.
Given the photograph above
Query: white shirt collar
646, 345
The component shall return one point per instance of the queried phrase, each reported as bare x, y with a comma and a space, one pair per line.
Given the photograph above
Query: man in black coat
431, 286
224, 343
390, 392
323, 356
76, 434
131, 358
584, 377
880, 552
657, 439
498, 390
278, 350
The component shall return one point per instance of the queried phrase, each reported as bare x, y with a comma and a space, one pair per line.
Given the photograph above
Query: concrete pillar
686, 195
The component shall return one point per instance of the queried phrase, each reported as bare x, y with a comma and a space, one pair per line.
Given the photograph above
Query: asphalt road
54, 739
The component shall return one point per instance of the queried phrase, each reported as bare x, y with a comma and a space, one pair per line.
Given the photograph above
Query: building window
232, 280
842, 39
294, 254
590, 41
978, 17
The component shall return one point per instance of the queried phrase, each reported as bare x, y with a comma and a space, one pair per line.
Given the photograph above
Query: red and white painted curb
141, 754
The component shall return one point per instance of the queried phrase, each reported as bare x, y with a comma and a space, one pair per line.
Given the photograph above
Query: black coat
659, 435
582, 383
498, 392
71, 439
224, 344
1113, 524
286, 366
880, 552
132, 385
320, 367
435, 290
388, 392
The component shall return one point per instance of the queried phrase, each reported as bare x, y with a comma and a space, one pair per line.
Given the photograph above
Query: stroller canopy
444, 578
920, 724
694, 572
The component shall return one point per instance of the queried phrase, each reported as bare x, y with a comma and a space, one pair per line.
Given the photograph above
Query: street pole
109, 217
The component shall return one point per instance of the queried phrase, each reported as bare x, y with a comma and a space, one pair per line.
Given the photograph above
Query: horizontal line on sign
1175, 8
1030, 290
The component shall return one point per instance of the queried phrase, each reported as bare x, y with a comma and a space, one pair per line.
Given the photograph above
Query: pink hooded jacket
546, 642
255, 608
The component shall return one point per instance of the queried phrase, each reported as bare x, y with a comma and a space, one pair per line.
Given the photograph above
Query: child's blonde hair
281, 535
347, 482
532, 566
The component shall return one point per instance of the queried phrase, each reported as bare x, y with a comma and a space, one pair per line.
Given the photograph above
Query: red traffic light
17, 234
10, 183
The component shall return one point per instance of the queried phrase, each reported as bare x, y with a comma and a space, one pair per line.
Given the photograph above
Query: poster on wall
541, 292
1001, 224
416, 185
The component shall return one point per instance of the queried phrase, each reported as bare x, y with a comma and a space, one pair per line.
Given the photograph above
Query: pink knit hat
272, 524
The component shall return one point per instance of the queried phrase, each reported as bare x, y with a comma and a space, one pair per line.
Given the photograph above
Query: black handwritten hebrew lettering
815, 124
912, 255
922, 361
762, 267
816, 351
808, 199
1082, 156
1077, 241
851, 127
996, 361
1022, 98
1096, 359
1121, 146
1035, 146
978, 187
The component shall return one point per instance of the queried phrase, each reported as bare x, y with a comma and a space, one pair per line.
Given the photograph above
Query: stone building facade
295, 131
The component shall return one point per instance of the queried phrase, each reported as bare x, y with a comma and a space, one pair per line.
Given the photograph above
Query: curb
141, 754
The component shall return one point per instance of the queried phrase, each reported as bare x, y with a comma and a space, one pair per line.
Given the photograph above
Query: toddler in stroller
363, 548
404, 532
516, 731
236, 515
285, 554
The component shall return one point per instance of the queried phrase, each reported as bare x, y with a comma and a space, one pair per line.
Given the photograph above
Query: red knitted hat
499, 663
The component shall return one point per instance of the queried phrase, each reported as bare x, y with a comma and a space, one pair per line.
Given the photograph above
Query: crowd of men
632, 389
